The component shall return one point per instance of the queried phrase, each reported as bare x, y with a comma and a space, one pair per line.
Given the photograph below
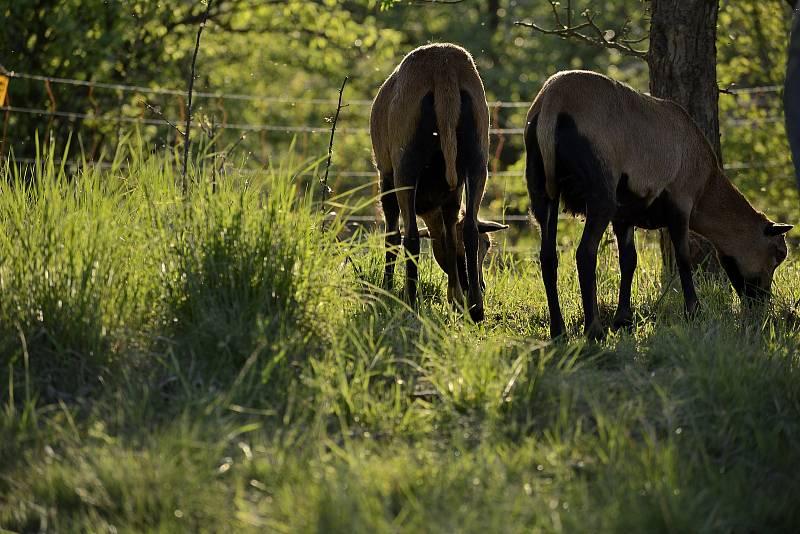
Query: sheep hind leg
455, 295
476, 181
545, 211
405, 199
626, 244
586, 257
391, 214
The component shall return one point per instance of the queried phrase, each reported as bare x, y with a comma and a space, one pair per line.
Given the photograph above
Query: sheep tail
447, 104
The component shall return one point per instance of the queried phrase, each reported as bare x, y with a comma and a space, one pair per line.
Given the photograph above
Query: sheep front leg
455, 296
626, 245
679, 234
586, 257
475, 183
474, 293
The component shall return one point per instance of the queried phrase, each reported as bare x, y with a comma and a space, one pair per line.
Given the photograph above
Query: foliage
295, 50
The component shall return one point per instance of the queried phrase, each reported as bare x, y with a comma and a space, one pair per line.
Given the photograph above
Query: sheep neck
725, 217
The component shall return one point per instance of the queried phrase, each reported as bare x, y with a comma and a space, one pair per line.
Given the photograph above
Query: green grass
220, 362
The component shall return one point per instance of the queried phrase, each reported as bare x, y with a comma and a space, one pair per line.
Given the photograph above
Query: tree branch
157, 111
325, 189
727, 90
230, 150
600, 38
189, 103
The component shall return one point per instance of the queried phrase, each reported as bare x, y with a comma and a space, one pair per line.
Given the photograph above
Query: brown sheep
616, 155
430, 136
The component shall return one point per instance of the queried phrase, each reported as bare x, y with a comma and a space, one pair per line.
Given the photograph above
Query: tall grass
221, 362
67, 277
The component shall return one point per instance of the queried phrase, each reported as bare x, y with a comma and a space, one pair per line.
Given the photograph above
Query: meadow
222, 361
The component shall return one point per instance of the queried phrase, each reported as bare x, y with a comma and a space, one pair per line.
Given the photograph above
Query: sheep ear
775, 229
424, 233
486, 227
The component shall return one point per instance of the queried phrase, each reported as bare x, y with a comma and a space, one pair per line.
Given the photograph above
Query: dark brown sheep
621, 157
430, 137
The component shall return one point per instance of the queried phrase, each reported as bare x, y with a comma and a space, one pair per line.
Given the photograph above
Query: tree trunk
682, 62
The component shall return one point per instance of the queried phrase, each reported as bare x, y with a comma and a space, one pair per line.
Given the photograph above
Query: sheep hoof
558, 332
595, 331
455, 297
476, 313
623, 322
692, 309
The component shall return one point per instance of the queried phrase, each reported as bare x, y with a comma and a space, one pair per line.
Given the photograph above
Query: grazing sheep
616, 155
430, 136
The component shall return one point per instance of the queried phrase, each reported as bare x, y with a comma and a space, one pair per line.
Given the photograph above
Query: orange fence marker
4, 101
3, 89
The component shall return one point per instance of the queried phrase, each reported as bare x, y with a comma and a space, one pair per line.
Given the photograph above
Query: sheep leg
391, 215
476, 181
474, 293
545, 211
623, 318
455, 296
679, 234
405, 199
586, 257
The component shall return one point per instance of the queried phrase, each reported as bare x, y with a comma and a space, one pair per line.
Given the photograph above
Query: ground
221, 362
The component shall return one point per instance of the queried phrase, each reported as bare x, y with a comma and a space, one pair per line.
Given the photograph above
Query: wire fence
213, 95
765, 89
243, 127
288, 129
116, 117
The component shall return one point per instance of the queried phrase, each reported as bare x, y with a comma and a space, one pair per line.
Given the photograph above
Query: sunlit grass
222, 362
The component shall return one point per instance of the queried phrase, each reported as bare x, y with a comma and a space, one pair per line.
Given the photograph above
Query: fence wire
765, 89
289, 129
